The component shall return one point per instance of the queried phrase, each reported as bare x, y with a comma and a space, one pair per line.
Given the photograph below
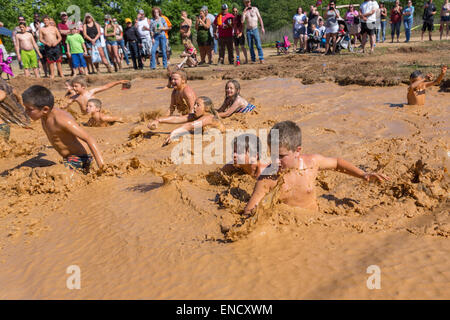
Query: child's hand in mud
377, 177
153, 125
167, 141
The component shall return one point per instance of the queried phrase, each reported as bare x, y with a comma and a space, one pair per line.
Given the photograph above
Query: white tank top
143, 23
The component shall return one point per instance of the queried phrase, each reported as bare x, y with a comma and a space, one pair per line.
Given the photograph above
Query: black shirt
131, 34
427, 12
312, 19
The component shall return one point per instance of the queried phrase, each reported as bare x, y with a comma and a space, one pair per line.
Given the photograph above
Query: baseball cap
127, 20
107, 17
63, 13
224, 6
204, 8
141, 11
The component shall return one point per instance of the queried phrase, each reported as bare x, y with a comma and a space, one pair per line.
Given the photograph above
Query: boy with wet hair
418, 84
64, 134
98, 118
183, 97
83, 94
299, 171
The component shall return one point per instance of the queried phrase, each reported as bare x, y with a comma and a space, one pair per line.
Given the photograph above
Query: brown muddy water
149, 229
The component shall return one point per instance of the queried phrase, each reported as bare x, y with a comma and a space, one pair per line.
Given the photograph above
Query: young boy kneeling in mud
199, 118
246, 156
416, 90
97, 117
300, 171
183, 97
62, 131
83, 94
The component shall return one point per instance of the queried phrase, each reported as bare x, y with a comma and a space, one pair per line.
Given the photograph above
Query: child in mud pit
99, 119
233, 102
300, 171
189, 55
65, 135
170, 71
183, 97
191, 121
246, 156
83, 94
416, 90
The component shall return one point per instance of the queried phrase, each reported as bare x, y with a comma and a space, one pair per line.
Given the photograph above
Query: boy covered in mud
97, 117
183, 97
246, 156
83, 94
299, 171
416, 90
199, 118
65, 135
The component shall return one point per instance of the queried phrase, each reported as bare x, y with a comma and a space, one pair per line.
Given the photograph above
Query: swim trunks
248, 108
79, 163
29, 59
4, 131
53, 54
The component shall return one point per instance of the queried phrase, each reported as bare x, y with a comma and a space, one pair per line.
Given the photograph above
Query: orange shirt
169, 24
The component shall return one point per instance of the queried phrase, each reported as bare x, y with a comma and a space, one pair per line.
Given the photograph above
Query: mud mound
13, 148
412, 50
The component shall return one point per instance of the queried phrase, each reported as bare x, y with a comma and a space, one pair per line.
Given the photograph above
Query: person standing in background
408, 19
445, 19
251, 17
429, 10
383, 17
238, 36
396, 20
133, 40
63, 28
204, 38
223, 31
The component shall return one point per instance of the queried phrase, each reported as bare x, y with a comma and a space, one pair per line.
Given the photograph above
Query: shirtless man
416, 90
183, 97
83, 94
298, 185
64, 134
51, 39
27, 46
251, 16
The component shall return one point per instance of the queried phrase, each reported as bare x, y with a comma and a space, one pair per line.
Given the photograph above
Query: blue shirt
156, 25
408, 9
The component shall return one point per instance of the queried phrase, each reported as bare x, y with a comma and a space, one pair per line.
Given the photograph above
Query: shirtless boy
65, 135
98, 118
51, 38
416, 90
26, 45
183, 97
298, 188
246, 156
198, 118
83, 94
